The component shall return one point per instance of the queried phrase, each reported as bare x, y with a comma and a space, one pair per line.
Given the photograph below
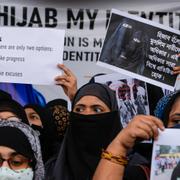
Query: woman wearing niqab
86, 136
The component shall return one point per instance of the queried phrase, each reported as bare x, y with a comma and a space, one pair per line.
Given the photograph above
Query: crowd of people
88, 142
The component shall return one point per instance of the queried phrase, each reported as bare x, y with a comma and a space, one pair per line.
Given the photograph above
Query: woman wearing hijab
168, 110
12, 110
94, 122
112, 164
20, 154
58, 109
40, 120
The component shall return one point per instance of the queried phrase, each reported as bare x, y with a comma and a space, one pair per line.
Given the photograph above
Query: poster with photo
165, 163
142, 49
131, 95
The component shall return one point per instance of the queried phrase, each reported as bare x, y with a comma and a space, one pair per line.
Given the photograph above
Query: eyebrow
94, 105
13, 153
176, 114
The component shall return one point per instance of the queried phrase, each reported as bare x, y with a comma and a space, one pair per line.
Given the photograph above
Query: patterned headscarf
60, 114
164, 106
34, 142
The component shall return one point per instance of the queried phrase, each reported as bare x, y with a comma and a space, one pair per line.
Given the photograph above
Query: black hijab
47, 132
13, 106
164, 106
4, 95
87, 135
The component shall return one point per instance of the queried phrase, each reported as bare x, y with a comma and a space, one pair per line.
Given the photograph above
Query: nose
88, 111
5, 164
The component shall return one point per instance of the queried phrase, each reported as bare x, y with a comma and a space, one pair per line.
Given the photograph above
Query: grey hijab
33, 139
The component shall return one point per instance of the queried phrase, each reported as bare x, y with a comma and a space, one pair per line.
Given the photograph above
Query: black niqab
87, 135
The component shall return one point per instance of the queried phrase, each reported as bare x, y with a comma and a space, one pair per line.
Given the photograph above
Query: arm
67, 81
141, 127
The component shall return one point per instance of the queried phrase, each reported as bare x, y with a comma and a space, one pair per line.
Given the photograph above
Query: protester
167, 109
20, 154
40, 120
112, 166
12, 110
94, 122
58, 109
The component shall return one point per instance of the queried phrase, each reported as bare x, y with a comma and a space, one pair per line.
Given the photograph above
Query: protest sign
131, 95
141, 48
165, 164
30, 55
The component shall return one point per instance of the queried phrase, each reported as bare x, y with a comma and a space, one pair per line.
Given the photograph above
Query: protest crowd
85, 143
93, 139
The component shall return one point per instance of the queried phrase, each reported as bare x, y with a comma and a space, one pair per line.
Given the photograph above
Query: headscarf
28, 137
58, 109
4, 95
164, 106
101, 91
13, 106
88, 134
47, 132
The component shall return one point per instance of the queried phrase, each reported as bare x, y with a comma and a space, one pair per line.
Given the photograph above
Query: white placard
30, 55
166, 155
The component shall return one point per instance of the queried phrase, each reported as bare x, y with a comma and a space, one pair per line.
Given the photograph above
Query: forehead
90, 100
30, 110
6, 150
6, 114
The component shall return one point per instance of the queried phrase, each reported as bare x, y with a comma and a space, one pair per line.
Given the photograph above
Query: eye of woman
18, 160
34, 116
98, 109
79, 109
176, 121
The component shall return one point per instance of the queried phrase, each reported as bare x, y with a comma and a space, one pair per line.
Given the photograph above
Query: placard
30, 55
141, 49
165, 163
131, 95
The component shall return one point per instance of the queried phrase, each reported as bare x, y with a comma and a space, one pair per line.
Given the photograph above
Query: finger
159, 123
152, 126
156, 121
62, 83
146, 128
62, 77
142, 134
65, 69
176, 71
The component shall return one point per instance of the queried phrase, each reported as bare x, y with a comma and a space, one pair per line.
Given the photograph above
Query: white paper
163, 163
30, 55
131, 95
